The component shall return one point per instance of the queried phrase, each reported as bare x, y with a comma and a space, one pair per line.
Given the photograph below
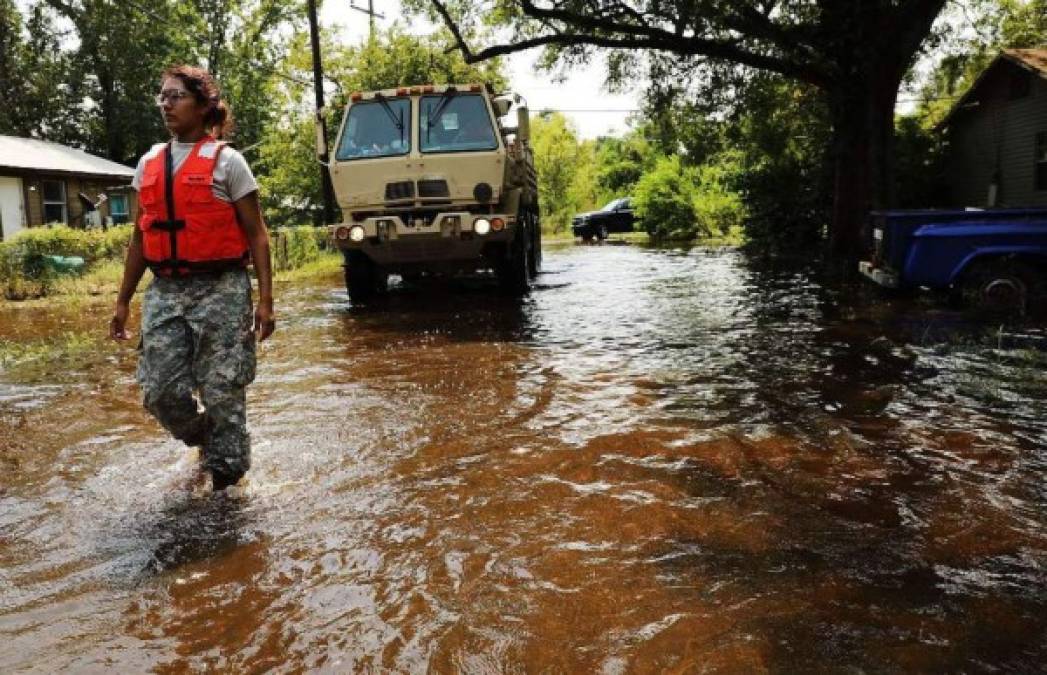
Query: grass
329, 263
103, 282
63, 346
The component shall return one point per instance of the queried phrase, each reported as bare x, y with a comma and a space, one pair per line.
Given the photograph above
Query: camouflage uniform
197, 335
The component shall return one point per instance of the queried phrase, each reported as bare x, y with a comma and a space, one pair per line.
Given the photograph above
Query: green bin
58, 264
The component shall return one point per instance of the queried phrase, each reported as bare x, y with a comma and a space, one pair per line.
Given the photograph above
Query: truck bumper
881, 276
445, 237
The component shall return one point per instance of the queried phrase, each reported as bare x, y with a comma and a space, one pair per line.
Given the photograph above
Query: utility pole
318, 88
371, 14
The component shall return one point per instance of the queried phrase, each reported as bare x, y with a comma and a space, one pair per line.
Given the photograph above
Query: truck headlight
356, 233
481, 226
877, 234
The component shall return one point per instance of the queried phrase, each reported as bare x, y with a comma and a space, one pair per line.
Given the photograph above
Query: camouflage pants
197, 340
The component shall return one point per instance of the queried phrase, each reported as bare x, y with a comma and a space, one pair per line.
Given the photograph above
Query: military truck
431, 182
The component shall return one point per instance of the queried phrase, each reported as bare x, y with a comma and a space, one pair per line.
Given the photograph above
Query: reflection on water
660, 461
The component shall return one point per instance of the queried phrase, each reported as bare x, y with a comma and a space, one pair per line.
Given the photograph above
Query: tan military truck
431, 182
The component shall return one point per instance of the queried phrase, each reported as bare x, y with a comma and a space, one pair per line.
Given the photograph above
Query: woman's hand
118, 324
264, 320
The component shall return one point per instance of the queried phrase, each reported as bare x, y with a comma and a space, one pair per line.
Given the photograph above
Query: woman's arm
249, 213
134, 268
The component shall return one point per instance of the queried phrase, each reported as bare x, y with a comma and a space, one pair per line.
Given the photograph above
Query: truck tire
1001, 285
363, 279
514, 275
601, 232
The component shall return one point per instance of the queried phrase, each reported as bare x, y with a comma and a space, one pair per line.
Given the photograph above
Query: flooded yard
661, 461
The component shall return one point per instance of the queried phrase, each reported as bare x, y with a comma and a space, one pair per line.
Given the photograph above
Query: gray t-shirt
233, 179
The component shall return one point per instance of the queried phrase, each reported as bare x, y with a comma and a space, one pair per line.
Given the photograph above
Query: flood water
661, 461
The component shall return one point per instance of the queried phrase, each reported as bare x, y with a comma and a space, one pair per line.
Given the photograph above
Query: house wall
997, 137
90, 186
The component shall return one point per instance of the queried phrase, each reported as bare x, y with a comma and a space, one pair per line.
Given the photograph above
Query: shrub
22, 276
296, 246
718, 204
91, 245
665, 198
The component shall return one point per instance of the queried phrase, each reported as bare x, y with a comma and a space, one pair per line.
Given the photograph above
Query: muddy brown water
662, 461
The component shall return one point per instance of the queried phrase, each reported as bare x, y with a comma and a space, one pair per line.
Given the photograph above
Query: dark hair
219, 118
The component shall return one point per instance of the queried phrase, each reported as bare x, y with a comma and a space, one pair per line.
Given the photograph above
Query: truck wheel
513, 274
361, 276
601, 233
534, 261
1001, 285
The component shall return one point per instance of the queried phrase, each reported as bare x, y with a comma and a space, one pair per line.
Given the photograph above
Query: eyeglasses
172, 95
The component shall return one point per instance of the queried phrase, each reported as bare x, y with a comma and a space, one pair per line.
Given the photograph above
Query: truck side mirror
523, 123
501, 106
321, 137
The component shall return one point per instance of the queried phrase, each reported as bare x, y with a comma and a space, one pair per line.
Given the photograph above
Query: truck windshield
377, 128
455, 123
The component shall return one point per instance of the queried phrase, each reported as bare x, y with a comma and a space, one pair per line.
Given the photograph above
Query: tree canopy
855, 53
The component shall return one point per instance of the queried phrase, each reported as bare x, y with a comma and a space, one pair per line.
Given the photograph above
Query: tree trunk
863, 143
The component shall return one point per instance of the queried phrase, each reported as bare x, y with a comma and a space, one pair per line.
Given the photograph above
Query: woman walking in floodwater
199, 224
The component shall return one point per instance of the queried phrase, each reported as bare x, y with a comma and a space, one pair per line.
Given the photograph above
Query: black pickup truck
617, 216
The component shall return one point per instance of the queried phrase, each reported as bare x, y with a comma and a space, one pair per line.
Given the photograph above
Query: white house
43, 182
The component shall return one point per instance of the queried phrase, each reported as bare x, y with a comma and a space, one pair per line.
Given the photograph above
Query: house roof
30, 154
1032, 60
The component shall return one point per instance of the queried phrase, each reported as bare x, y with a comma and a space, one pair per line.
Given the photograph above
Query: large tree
117, 59
40, 98
856, 52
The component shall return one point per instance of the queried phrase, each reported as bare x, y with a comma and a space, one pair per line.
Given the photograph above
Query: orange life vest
185, 228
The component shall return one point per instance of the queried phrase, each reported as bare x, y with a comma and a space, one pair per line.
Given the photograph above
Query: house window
118, 208
54, 201
1041, 161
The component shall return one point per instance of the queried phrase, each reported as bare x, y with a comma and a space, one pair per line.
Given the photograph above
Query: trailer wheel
1001, 285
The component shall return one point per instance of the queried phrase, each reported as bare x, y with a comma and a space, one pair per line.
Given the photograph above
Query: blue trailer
994, 258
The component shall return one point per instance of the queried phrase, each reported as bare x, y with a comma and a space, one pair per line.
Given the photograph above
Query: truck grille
401, 190
433, 188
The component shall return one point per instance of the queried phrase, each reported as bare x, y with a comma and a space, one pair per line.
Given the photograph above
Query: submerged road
661, 461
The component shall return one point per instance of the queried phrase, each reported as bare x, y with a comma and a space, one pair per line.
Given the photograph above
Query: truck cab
995, 259
430, 181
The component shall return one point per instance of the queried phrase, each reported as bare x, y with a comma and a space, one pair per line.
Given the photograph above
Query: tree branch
600, 33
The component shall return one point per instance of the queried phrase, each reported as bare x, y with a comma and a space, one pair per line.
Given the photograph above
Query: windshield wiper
398, 120
434, 116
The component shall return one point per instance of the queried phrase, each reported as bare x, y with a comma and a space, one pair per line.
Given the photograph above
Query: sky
577, 97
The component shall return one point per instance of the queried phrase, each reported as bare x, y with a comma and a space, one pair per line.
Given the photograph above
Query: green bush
293, 247
719, 205
91, 245
22, 276
664, 199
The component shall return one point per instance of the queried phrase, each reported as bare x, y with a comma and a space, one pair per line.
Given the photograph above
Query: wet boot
220, 480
